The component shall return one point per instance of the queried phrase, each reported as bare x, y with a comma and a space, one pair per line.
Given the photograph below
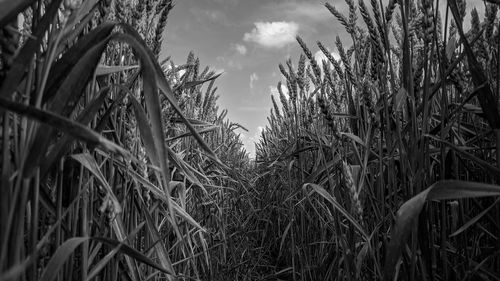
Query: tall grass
408, 115
118, 164
112, 163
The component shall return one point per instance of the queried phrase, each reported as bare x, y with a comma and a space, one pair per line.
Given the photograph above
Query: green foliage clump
114, 165
407, 114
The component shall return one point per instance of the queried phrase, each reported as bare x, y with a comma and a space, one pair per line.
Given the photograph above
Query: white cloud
253, 77
276, 94
319, 56
249, 141
179, 72
272, 34
241, 49
218, 70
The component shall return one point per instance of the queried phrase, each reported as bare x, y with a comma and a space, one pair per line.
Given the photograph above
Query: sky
246, 40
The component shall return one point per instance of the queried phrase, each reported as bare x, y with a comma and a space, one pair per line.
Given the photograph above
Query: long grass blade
70, 127
408, 213
321, 191
64, 251
23, 59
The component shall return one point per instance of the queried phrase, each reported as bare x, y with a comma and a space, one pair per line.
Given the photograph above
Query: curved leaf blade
408, 213
68, 126
68, 247
103, 70
89, 162
23, 59
145, 130
321, 191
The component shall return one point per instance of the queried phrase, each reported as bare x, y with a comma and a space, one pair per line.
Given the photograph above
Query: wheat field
116, 164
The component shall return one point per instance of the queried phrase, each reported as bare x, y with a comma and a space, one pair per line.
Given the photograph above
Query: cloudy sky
247, 39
